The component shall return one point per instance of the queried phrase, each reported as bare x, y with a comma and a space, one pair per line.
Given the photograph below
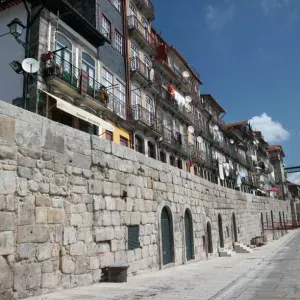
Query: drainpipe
127, 69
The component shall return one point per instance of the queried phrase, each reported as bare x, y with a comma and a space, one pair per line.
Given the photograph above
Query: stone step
226, 252
241, 248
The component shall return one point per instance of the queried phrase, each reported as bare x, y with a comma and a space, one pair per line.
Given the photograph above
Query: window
139, 144
132, 9
123, 141
147, 61
133, 237
106, 28
119, 42
63, 58
109, 135
163, 157
149, 109
119, 103
117, 4
172, 161
88, 65
151, 150
134, 53
136, 100
107, 78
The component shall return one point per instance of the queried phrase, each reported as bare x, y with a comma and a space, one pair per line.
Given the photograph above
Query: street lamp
16, 28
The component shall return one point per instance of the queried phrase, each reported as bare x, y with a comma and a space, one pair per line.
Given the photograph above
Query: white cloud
273, 131
270, 6
218, 18
294, 178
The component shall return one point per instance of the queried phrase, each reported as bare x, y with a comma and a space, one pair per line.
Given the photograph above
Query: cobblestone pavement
271, 272
277, 277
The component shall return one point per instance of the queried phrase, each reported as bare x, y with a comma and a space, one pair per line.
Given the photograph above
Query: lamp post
16, 28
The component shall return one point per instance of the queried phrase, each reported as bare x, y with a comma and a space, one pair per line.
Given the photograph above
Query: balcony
66, 78
141, 34
146, 119
198, 156
174, 140
146, 8
181, 112
140, 71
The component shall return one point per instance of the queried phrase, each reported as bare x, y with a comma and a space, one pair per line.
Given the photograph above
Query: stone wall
66, 199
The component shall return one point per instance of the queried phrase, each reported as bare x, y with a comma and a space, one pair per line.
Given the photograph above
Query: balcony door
136, 101
149, 110
119, 102
107, 81
134, 54
63, 58
89, 66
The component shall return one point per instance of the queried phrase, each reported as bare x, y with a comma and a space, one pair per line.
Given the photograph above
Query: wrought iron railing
147, 4
139, 66
134, 23
174, 139
139, 113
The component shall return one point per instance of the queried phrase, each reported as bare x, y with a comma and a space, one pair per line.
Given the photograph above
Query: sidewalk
201, 280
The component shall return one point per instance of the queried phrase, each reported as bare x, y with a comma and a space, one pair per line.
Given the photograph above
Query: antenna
151, 75
30, 65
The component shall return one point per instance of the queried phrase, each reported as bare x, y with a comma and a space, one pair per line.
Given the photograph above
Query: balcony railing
147, 8
72, 75
135, 24
172, 103
139, 66
139, 113
199, 156
174, 139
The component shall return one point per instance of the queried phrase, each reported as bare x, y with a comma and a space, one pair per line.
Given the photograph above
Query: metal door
188, 236
166, 237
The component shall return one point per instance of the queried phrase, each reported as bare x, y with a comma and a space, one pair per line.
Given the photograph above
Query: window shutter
133, 237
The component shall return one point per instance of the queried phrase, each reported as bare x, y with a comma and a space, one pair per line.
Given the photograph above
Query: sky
248, 57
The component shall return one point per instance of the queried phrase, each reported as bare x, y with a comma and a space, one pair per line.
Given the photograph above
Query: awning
80, 113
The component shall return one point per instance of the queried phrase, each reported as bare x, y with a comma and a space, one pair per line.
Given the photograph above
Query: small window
109, 135
117, 4
119, 42
106, 28
172, 161
133, 237
123, 141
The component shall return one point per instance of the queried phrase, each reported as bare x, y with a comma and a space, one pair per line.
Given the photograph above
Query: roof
172, 48
235, 124
274, 148
214, 101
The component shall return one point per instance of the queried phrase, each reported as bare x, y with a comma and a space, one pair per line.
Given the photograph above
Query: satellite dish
151, 75
30, 65
188, 99
231, 141
191, 129
199, 139
216, 127
160, 139
185, 74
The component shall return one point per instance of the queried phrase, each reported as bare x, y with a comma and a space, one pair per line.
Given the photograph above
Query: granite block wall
67, 199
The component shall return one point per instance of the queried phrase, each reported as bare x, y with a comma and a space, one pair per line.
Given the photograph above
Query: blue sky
248, 57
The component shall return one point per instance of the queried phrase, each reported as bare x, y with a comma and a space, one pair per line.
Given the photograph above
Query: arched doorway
234, 229
262, 222
209, 238
167, 236
221, 233
189, 235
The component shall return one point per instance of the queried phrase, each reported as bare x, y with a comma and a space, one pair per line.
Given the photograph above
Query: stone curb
239, 278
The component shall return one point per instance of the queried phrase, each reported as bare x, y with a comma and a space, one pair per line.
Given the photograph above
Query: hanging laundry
179, 98
226, 168
238, 179
221, 173
171, 90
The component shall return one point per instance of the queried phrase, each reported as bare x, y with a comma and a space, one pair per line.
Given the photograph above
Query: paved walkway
221, 278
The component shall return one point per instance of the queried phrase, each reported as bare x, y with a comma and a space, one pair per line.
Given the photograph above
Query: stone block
69, 236
79, 189
76, 220
56, 216
27, 277
106, 218
100, 144
6, 294
7, 242
125, 217
41, 215
96, 275
7, 221
80, 208
57, 203
22, 186
6, 275
8, 182
47, 267
26, 211
33, 234
85, 235
44, 188
94, 263
135, 218
68, 265
43, 251
106, 259
2, 202
87, 199
43, 201
33, 186
103, 247
87, 219
115, 218
77, 249
8, 152
107, 188
25, 172
81, 280
11, 203
104, 234
51, 280
99, 203
7, 130
80, 265
110, 203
